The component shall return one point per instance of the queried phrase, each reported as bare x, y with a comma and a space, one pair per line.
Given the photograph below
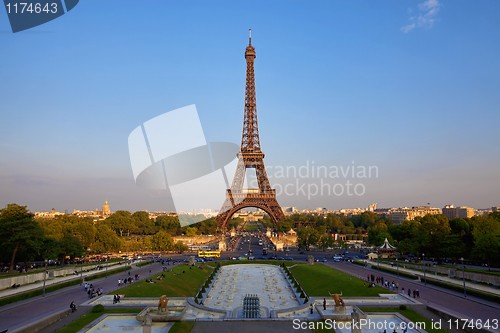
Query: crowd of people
372, 279
91, 291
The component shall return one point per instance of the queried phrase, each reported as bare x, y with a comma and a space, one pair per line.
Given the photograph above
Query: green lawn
89, 317
182, 285
182, 327
411, 315
251, 227
319, 280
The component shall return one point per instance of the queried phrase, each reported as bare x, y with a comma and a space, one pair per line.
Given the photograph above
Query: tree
169, 224
307, 236
19, 232
121, 221
162, 241
180, 246
284, 226
106, 239
486, 234
326, 241
191, 231
143, 223
70, 246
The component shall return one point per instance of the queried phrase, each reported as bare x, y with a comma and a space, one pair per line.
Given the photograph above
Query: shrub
402, 307
98, 308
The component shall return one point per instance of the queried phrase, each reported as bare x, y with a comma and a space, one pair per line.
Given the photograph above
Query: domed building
105, 209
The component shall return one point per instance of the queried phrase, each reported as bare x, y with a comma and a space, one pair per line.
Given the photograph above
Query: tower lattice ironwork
250, 156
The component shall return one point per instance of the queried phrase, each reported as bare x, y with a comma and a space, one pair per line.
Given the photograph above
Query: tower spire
250, 138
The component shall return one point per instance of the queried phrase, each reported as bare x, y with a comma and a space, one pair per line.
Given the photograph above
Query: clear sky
411, 87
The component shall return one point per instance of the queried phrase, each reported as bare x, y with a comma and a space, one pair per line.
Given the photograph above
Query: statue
162, 304
147, 323
191, 261
337, 299
310, 260
355, 327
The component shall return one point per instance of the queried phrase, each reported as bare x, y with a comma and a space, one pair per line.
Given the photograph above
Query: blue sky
408, 86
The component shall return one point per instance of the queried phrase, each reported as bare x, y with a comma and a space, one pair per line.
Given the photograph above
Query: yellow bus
209, 254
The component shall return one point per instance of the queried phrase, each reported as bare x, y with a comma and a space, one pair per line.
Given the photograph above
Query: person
72, 306
414, 293
86, 286
418, 293
324, 304
312, 308
403, 290
409, 292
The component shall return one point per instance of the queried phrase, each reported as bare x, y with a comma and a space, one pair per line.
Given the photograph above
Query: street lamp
106, 263
378, 263
44, 277
463, 275
397, 264
81, 272
423, 259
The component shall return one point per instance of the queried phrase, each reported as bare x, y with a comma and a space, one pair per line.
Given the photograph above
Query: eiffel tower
250, 156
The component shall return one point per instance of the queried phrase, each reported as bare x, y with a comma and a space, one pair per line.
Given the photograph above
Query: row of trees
436, 236
24, 238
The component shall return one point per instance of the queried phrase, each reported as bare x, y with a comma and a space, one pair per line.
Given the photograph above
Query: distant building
452, 212
105, 209
399, 215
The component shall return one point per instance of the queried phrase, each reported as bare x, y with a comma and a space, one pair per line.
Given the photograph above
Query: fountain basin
173, 313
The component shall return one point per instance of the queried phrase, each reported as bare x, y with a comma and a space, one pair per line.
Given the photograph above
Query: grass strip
182, 327
395, 272
144, 263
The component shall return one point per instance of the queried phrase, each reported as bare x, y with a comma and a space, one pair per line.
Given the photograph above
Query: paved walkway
437, 297
49, 282
446, 279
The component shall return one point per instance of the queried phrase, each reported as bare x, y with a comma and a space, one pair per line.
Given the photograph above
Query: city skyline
409, 88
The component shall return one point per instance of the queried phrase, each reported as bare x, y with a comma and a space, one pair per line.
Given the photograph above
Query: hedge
471, 292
